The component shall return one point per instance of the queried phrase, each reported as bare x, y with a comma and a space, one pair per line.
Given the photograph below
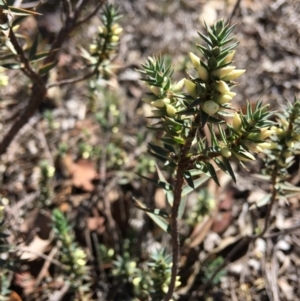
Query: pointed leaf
46, 68
158, 219
229, 168
159, 150
187, 189
13, 66
159, 183
189, 179
212, 172
22, 12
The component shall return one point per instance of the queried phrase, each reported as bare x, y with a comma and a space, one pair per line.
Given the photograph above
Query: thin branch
72, 80
235, 9
25, 68
39, 89
183, 163
68, 8
92, 14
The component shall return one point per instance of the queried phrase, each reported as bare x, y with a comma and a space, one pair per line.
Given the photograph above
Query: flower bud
190, 87
236, 122
136, 281
155, 90
93, 48
290, 144
158, 103
267, 145
234, 74
265, 134
202, 73
232, 94
171, 111
210, 107
284, 122
221, 87
252, 146
280, 132
114, 38
229, 57
225, 151
178, 86
116, 29
222, 72
221, 99
195, 60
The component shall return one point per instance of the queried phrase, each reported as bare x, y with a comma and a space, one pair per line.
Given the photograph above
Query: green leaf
212, 172
157, 215
204, 118
229, 168
189, 179
213, 38
33, 47
159, 150
158, 157
206, 39
162, 184
195, 103
203, 50
12, 66
46, 68
188, 189
40, 56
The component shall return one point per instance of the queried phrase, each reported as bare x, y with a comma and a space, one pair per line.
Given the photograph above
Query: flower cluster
285, 138
211, 88
107, 40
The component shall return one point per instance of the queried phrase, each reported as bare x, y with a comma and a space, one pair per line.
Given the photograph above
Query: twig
72, 80
42, 255
92, 14
46, 266
183, 163
236, 6
39, 89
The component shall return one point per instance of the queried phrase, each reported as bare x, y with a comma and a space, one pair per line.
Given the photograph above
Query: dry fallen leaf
96, 224
81, 172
